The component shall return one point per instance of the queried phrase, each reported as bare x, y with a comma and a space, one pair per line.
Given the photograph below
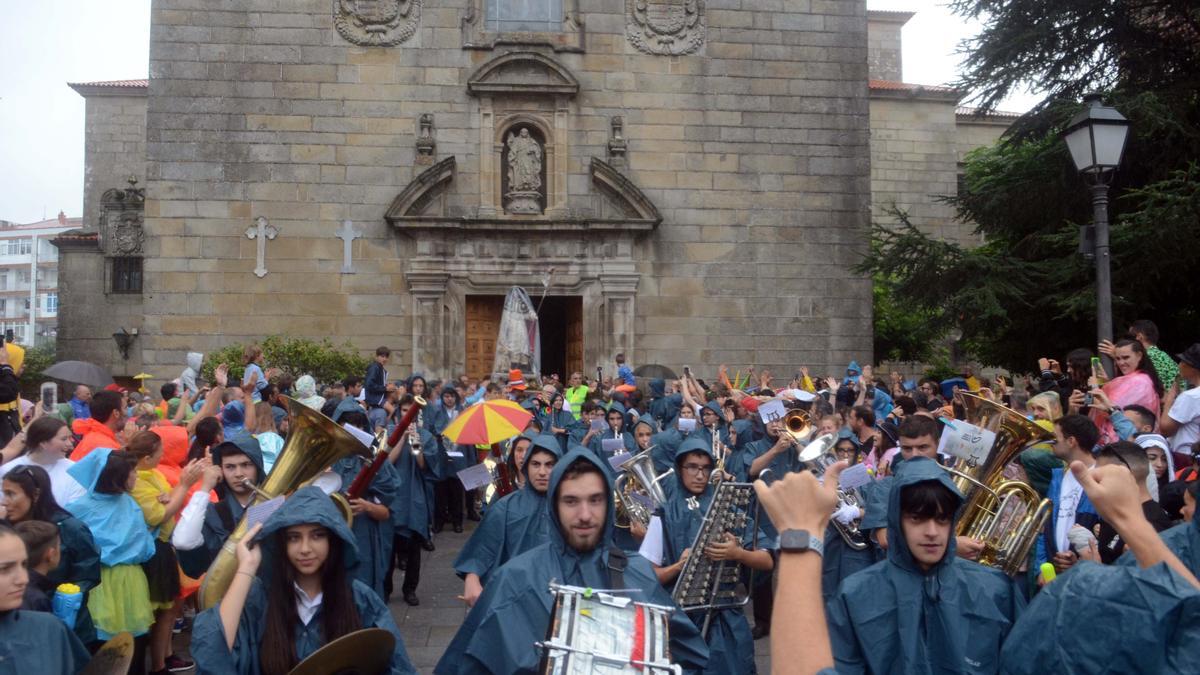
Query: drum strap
617, 561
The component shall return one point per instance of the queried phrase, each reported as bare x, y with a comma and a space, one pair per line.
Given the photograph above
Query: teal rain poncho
514, 610
38, 642
1104, 619
412, 506
374, 536
306, 506
513, 525
730, 644
1183, 540
895, 618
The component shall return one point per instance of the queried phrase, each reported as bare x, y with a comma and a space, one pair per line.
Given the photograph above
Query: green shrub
323, 360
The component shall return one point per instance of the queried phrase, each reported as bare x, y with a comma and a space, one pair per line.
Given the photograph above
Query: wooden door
574, 336
483, 326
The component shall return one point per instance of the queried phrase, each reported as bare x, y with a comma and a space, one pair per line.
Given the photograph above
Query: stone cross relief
347, 234
262, 231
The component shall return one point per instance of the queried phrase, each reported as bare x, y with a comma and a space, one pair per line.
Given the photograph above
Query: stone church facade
687, 182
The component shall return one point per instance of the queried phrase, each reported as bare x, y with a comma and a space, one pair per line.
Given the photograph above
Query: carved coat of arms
126, 234
376, 23
668, 27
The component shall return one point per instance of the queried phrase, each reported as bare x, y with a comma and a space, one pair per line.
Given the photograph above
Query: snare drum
600, 632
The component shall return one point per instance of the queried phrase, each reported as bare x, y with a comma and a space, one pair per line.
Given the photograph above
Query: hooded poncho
894, 617
514, 610
307, 506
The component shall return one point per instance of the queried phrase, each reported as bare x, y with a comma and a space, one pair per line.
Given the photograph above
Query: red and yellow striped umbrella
488, 422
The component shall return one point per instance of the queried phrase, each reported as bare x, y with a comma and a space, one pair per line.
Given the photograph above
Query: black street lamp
1096, 138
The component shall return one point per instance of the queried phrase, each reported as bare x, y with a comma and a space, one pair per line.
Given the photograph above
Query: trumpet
414, 434
817, 457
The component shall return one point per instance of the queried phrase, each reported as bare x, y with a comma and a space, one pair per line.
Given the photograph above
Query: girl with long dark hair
28, 496
268, 623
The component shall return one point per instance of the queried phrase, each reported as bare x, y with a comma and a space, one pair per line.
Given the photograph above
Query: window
511, 16
18, 246
3, 307
22, 276
3, 281
51, 303
126, 275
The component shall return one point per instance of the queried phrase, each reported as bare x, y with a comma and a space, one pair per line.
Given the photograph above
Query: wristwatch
799, 541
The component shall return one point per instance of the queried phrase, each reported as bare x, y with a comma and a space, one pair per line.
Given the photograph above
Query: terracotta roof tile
966, 111
119, 84
892, 85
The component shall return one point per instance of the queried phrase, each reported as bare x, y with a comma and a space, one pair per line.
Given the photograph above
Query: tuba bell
1006, 515
819, 456
314, 442
638, 491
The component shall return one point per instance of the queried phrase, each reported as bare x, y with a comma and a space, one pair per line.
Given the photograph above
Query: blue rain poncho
514, 610
1105, 619
38, 642
115, 521
448, 464
412, 506
374, 537
560, 419
893, 617
663, 408
307, 506
730, 644
518, 522
1183, 540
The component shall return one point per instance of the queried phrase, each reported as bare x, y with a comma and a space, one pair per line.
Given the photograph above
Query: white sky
46, 43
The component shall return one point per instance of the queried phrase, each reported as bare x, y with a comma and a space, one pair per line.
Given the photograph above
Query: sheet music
652, 545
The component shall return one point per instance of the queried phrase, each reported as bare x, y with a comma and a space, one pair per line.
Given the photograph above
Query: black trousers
448, 502
763, 595
407, 549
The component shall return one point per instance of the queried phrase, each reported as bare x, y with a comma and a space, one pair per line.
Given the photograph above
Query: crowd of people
116, 505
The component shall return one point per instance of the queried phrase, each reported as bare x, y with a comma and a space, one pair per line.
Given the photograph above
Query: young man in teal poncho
204, 526
514, 610
730, 645
516, 523
923, 610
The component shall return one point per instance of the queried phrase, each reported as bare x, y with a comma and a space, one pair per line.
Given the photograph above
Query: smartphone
1098, 371
8, 335
49, 396
687, 371
1087, 399
599, 374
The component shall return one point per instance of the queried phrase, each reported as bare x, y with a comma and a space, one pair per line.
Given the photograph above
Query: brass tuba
638, 491
1006, 515
314, 442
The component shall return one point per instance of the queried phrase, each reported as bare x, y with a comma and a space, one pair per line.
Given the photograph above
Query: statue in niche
524, 173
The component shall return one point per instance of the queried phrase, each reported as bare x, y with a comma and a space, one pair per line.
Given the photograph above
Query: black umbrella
654, 370
79, 372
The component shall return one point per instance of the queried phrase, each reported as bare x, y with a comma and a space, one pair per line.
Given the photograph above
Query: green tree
1027, 292
294, 356
37, 360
